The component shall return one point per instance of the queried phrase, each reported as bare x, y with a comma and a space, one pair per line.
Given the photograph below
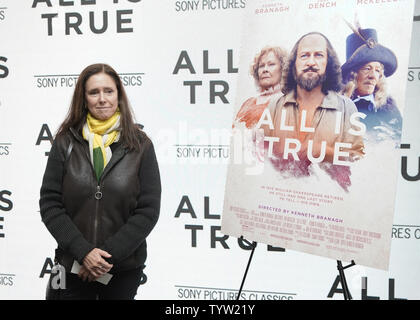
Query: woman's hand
84, 274
95, 263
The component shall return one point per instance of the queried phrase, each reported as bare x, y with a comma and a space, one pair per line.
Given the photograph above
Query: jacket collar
76, 135
117, 154
80, 139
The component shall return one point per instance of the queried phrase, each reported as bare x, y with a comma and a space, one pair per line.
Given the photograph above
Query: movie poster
317, 125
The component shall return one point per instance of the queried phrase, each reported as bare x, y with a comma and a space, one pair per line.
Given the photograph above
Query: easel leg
346, 291
254, 244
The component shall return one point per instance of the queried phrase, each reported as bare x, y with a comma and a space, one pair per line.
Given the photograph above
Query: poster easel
340, 268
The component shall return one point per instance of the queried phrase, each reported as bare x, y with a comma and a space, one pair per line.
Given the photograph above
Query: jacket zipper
98, 196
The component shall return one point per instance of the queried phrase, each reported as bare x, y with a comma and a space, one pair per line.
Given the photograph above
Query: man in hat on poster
368, 65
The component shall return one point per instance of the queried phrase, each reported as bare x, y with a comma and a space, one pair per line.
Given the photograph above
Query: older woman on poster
267, 70
100, 195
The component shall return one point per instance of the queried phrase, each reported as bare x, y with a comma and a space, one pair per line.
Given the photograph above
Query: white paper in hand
103, 279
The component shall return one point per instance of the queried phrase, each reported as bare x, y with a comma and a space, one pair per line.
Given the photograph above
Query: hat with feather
362, 47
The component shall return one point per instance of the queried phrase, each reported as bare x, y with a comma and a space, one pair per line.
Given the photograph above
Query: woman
100, 195
267, 71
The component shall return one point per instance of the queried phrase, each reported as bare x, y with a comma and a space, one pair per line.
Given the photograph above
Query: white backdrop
188, 256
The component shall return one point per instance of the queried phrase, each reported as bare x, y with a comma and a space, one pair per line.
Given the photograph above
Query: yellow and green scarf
101, 134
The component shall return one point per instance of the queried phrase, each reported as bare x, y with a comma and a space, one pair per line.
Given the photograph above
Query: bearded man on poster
313, 123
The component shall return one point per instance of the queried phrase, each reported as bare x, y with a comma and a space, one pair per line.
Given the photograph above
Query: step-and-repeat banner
180, 62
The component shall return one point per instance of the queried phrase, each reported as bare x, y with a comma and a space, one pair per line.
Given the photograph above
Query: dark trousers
122, 286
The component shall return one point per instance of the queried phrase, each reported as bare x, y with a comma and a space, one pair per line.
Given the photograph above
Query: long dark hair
76, 116
333, 79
